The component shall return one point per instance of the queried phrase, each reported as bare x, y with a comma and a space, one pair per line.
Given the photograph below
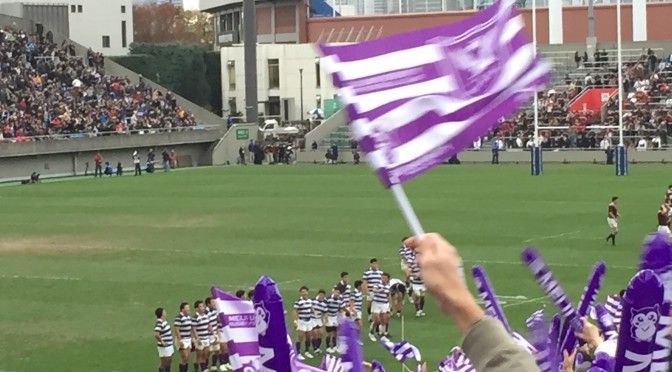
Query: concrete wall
226, 150
522, 157
69, 157
320, 132
291, 57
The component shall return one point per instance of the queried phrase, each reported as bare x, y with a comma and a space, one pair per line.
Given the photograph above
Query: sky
190, 4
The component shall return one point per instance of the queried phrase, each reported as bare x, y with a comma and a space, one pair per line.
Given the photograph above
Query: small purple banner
487, 292
270, 320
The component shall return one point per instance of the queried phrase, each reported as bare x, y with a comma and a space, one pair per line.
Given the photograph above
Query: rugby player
371, 278
201, 323
344, 287
380, 307
303, 312
215, 347
319, 313
397, 295
335, 307
356, 313
404, 254
183, 334
418, 289
612, 219
664, 219
164, 340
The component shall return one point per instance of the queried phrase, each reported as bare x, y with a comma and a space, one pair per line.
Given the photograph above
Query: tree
167, 23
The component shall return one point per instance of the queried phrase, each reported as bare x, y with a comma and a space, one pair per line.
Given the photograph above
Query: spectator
120, 169
136, 163
241, 155
108, 169
173, 159
98, 159
166, 160
48, 91
251, 150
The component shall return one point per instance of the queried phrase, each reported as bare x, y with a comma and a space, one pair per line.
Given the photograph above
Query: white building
280, 71
105, 26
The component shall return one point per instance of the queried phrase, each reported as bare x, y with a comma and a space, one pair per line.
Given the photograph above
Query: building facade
104, 26
285, 74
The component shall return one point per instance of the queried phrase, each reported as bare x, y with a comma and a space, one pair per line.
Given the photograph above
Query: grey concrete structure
59, 158
520, 157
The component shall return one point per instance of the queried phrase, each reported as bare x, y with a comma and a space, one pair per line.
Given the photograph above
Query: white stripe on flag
403, 59
439, 134
512, 28
367, 102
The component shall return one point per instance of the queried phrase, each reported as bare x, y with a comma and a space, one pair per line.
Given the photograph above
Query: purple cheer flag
656, 255
270, 319
456, 361
487, 292
376, 366
545, 340
239, 330
588, 297
403, 350
416, 98
642, 305
551, 287
351, 352
605, 321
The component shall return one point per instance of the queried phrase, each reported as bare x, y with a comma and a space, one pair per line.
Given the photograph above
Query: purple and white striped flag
415, 99
536, 316
456, 361
331, 363
614, 307
402, 350
376, 366
239, 330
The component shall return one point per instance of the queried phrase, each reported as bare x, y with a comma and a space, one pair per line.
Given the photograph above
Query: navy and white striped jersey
212, 315
410, 258
357, 300
381, 294
319, 307
201, 322
415, 275
404, 253
372, 277
163, 328
304, 308
346, 290
183, 326
334, 305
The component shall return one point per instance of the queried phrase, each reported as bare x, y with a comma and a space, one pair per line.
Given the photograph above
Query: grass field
84, 263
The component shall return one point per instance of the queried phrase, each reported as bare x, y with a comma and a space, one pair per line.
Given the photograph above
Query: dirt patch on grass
47, 244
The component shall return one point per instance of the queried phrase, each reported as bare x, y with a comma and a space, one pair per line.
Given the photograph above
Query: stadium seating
49, 92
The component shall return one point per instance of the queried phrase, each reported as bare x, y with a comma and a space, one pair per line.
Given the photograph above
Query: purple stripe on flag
417, 98
605, 322
588, 297
487, 293
396, 42
551, 286
642, 306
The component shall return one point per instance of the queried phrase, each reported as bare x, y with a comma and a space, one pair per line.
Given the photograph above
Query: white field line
313, 255
37, 277
552, 236
538, 299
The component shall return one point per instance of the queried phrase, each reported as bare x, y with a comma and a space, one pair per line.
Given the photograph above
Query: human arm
486, 343
157, 336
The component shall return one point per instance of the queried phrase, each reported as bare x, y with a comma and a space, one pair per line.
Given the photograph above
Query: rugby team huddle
314, 317
319, 315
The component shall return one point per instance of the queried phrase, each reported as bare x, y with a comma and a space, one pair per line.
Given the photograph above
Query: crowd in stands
47, 91
647, 107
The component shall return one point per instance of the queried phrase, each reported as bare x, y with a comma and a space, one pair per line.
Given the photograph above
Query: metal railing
135, 132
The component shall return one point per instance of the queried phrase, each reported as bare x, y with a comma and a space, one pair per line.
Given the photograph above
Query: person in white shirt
641, 145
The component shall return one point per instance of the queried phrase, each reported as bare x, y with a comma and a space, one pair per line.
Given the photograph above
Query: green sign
330, 107
242, 133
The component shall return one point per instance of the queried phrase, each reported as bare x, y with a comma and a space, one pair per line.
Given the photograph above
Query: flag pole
411, 218
536, 93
